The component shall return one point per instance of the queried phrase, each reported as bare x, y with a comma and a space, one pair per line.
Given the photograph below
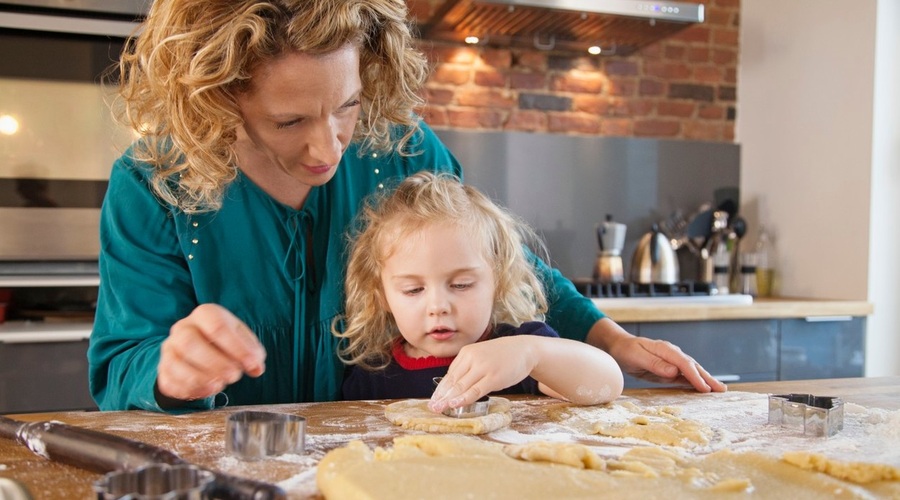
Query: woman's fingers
229, 334
205, 352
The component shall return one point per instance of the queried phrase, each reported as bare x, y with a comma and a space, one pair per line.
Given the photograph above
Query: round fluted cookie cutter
156, 482
259, 434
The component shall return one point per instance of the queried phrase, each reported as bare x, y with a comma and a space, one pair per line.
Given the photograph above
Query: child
439, 284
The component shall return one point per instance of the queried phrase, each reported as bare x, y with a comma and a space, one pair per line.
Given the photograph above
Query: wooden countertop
199, 437
767, 308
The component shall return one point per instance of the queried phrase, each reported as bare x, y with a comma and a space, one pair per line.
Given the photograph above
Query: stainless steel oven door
58, 138
129, 7
116, 18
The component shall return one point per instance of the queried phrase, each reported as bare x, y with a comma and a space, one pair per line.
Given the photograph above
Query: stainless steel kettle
654, 260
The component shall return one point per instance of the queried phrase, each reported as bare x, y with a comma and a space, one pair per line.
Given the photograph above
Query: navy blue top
409, 377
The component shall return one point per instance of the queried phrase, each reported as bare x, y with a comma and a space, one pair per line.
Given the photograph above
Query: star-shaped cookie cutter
821, 416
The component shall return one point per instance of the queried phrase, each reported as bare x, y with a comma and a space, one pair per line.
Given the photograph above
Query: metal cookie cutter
479, 408
156, 482
259, 434
816, 415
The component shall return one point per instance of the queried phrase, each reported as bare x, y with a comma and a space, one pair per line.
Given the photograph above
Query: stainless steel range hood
622, 26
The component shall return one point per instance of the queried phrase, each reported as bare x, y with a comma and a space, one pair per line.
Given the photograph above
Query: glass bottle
764, 261
720, 268
748, 274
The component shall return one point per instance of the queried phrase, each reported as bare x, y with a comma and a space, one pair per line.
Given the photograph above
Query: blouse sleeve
145, 287
570, 313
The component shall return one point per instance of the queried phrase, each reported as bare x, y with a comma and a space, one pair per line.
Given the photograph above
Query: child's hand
482, 368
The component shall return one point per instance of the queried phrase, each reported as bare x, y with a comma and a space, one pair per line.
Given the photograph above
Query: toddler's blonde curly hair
419, 201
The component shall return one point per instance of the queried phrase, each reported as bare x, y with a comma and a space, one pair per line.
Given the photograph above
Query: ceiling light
594, 50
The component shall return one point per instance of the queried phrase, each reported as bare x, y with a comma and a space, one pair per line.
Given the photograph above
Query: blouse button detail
377, 171
195, 241
195, 223
190, 256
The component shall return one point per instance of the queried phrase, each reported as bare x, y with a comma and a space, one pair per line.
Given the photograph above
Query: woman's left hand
650, 359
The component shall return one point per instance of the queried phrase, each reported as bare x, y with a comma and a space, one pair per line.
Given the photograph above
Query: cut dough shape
414, 414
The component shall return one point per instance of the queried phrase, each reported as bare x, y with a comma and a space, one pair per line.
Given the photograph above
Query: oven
58, 141
58, 138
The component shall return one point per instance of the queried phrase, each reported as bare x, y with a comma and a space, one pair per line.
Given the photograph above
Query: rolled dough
414, 414
446, 466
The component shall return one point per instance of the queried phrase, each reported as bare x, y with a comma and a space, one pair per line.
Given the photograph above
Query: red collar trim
409, 363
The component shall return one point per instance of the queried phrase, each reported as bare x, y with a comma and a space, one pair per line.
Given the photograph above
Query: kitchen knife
100, 452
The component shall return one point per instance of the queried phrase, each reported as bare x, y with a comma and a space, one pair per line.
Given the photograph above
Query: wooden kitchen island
199, 437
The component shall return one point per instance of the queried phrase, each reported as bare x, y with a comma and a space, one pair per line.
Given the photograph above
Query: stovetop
594, 289
639, 294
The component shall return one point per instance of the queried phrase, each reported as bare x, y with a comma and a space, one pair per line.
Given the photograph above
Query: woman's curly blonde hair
422, 200
178, 80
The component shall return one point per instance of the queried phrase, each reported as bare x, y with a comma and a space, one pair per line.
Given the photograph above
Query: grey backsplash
565, 185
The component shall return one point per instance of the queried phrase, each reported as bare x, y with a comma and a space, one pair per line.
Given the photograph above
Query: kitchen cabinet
822, 347
44, 376
766, 349
732, 351
43, 364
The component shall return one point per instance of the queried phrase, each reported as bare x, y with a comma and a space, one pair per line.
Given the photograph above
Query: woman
264, 124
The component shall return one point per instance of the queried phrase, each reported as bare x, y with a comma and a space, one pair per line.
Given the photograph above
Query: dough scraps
414, 414
656, 425
858, 472
443, 466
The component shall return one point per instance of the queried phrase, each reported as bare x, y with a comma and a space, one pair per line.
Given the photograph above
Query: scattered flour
303, 484
739, 421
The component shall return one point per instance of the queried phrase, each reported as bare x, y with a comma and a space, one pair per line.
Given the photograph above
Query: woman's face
300, 112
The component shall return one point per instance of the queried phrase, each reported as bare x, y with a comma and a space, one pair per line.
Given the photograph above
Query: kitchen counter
199, 437
766, 308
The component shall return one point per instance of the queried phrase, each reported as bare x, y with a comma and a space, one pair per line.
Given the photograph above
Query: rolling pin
100, 452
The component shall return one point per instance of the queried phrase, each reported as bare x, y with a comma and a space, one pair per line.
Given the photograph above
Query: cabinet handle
727, 378
822, 319
43, 337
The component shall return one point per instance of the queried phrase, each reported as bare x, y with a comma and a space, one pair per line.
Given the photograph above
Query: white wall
817, 128
884, 243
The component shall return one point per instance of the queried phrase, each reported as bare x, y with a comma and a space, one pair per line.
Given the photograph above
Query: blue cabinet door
825, 347
732, 351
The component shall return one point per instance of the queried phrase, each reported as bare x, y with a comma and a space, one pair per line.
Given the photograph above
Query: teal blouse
278, 269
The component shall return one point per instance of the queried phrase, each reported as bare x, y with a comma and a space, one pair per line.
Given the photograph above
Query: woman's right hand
205, 352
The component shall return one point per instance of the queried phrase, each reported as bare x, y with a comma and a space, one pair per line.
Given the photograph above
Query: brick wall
681, 87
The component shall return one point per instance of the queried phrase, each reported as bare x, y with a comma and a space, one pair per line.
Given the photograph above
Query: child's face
440, 290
